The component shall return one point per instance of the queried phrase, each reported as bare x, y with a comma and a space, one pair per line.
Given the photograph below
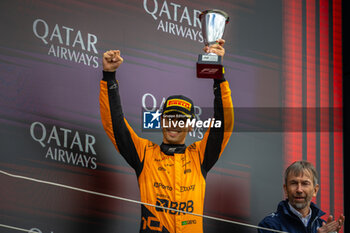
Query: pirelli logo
179, 102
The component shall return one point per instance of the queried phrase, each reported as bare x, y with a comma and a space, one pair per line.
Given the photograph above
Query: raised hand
112, 60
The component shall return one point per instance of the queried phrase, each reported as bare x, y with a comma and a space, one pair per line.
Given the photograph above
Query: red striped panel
311, 80
324, 104
338, 105
292, 68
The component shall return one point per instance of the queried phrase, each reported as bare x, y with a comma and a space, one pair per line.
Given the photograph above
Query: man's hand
112, 60
332, 225
217, 48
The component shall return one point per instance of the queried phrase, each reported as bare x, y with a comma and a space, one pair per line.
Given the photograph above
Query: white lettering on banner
197, 132
69, 157
188, 26
62, 37
63, 143
72, 55
153, 105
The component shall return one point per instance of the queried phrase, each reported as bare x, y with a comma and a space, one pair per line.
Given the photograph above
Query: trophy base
209, 66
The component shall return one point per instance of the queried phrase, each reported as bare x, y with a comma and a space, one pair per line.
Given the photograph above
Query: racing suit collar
171, 149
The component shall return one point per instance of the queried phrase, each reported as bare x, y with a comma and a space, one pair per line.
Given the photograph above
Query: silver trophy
213, 27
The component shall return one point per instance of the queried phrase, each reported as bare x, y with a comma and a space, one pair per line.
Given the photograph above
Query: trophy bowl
213, 25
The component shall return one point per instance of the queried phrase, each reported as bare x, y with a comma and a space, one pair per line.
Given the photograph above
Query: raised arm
216, 139
118, 130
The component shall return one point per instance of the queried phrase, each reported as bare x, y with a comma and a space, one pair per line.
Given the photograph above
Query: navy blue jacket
285, 220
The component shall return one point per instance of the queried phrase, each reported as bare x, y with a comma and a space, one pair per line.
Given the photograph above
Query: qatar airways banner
60, 173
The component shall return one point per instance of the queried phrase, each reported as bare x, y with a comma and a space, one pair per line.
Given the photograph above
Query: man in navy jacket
297, 214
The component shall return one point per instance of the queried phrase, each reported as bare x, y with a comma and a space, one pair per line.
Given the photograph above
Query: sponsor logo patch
182, 206
179, 102
188, 222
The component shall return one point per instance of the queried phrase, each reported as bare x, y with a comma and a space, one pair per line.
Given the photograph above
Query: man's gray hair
298, 168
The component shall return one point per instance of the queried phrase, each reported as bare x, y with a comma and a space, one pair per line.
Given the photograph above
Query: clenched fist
112, 60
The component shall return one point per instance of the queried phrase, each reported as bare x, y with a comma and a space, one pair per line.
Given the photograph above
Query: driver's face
174, 130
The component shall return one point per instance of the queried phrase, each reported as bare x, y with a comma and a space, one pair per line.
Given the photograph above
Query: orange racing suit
171, 176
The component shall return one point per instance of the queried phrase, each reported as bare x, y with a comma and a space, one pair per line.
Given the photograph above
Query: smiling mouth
174, 130
299, 198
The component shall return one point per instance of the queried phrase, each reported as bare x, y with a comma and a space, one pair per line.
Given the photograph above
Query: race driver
172, 174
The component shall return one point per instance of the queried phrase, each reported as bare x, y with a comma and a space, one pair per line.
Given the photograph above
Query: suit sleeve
267, 223
125, 140
215, 139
